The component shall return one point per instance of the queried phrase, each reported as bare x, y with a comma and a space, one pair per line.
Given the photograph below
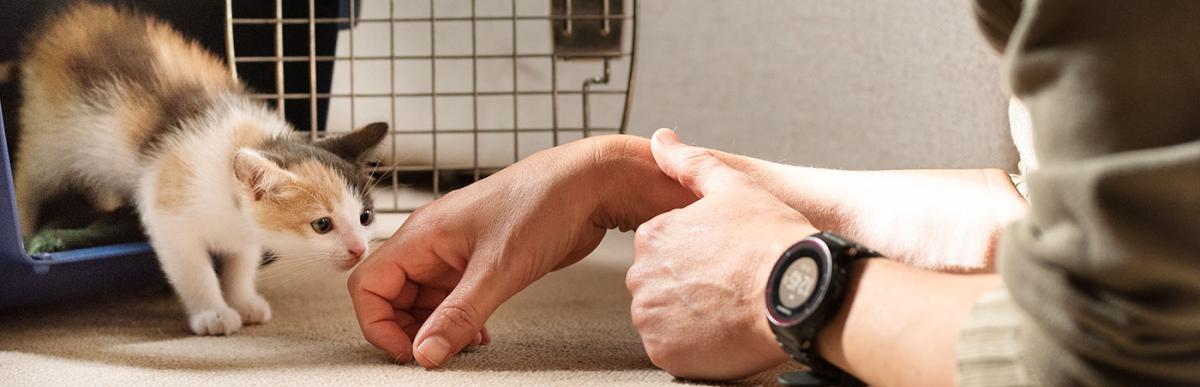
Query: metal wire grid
562, 20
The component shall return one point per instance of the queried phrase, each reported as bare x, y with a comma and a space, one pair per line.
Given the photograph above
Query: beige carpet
571, 328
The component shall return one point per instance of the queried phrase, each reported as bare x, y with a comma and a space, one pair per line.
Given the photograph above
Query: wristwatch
804, 292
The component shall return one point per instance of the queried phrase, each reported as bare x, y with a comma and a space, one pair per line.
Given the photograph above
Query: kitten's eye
366, 217
322, 225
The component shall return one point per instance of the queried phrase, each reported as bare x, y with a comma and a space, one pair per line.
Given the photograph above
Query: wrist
819, 194
575, 170
822, 195
784, 238
630, 187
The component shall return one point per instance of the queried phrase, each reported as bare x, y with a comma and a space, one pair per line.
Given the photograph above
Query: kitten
123, 107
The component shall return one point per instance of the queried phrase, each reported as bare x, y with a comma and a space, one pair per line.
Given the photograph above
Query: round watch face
799, 281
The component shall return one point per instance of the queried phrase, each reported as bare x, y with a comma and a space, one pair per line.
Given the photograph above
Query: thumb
693, 167
458, 320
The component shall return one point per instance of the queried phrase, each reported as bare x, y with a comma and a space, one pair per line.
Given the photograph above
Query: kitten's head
311, 200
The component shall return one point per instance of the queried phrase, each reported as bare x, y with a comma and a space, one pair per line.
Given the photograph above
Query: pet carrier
28, 279
467, 86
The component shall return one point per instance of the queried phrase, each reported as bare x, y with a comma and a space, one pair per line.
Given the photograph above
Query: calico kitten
123, 107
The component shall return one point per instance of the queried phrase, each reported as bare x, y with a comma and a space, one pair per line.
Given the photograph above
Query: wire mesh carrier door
467, 86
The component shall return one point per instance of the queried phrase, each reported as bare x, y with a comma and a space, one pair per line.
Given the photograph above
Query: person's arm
900, 325
948, 220
1106, 265
550, 210
700, 274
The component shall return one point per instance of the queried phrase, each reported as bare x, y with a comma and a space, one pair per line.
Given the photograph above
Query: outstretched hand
427, 291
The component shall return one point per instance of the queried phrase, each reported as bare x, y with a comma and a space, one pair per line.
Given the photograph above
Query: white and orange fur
122, 108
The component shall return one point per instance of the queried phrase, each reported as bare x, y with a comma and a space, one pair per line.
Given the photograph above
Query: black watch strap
821, 372
815, 379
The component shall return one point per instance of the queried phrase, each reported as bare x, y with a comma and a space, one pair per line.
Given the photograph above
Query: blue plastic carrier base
33, 279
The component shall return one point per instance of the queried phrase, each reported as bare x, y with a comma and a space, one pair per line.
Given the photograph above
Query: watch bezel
823, 257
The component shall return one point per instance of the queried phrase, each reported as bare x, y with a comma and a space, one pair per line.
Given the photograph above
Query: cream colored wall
837, 83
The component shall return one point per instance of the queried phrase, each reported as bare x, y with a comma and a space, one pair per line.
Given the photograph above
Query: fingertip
432, 352
392, 341
667, 136
659, 150
401, 358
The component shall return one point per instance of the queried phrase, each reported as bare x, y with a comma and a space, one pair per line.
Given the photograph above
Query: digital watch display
795, 281
804, 292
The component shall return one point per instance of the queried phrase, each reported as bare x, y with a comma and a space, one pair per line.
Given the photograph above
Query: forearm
944, 219
899, 325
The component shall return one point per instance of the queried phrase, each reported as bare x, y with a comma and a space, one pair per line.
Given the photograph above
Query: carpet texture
571, 328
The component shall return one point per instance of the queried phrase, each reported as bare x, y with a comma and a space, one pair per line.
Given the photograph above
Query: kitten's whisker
305, 258
374, 184
285, 273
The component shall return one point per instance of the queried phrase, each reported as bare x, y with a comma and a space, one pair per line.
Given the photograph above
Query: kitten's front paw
254, 309
218, 321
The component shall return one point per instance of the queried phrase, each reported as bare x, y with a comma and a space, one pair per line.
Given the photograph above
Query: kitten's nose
355, 252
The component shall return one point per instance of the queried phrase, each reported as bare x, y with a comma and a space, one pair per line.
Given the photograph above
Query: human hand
427, 291
700, 272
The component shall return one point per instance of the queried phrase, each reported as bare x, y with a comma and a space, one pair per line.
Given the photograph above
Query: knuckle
664, 357
643, 233
642, 243
358, 280
420, 211
655, 355
636, 319
694, 156
650, 229
353, 282
650, 234
737, 178
634, 278
425, 221
696, 159
422, 214
427, 214
639, 317
373, 337
460, 317
452, 195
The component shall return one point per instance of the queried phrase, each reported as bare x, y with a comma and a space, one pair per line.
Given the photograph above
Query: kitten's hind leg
238, 272
106, 201
186, 261
33, 186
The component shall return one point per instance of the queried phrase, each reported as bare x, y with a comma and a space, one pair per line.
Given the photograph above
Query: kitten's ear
354, 145
259, 174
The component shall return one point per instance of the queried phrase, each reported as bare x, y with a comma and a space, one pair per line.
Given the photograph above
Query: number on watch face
799, 280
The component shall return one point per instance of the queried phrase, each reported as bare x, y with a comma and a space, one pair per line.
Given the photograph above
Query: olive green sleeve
1105, 268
